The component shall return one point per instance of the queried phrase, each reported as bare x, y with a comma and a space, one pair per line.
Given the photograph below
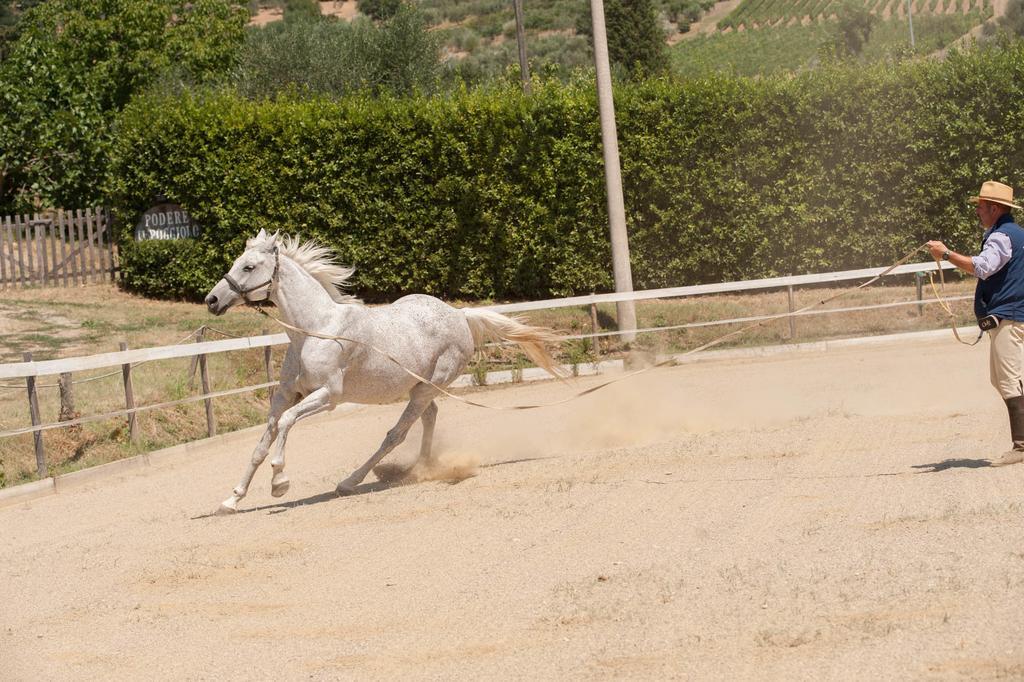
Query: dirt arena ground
808, 517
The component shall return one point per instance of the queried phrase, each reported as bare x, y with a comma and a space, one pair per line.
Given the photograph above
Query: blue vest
1002, 294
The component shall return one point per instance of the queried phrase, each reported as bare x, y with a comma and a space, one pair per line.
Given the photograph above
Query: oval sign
166, 221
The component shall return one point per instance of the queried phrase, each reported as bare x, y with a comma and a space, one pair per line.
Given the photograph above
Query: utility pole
626, 310
524, 67
910, 20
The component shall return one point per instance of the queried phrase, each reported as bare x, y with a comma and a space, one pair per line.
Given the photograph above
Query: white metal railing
721, 288
17, 370
126, 358
114, 359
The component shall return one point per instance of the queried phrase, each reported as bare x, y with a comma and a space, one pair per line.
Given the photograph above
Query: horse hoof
225, 510
345, 489
280, 487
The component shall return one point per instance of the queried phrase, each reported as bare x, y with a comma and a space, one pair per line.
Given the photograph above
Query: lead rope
945, 305
670, 361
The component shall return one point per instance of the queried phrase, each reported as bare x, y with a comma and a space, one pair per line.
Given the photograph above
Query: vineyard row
760, 13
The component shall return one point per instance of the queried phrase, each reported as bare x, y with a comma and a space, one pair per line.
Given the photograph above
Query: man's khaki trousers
1006, 358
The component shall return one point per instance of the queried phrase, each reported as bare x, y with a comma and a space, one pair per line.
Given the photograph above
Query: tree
636, 40
1012, 20
75, 64
329, 57
301, 10
854, 28
380, 9
8, 20
10, 10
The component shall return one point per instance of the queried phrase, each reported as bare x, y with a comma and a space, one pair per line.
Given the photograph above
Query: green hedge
495, 194
475, 195
75, 64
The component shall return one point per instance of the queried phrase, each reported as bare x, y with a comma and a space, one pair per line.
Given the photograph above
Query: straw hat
997, 193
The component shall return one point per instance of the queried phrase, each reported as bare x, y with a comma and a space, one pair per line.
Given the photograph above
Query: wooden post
105, 231
266, 363
129, 398
90, 218
67, 409
101, 250
919, 279
204, 376
62, 235
792, 320
4, 230
74, 241
80, 245
53, 239
594, 328
193, 362
67, 397
30, 248
33, 411
111, 245
19, 238
39, 230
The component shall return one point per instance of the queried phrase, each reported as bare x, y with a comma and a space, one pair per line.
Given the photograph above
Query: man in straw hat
999, 297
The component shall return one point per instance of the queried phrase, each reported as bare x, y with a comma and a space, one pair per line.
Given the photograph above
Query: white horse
424, 334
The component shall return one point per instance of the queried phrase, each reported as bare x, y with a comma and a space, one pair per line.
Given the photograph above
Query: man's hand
937, 248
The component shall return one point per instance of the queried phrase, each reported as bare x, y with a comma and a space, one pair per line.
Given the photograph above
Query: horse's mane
315, 259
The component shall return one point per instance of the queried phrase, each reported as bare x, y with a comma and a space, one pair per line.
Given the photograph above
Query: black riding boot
1015, 409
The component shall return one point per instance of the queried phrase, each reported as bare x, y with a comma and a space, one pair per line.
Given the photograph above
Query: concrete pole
626, 310
910, 21
524, 66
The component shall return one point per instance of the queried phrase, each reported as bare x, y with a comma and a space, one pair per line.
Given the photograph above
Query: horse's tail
490, 326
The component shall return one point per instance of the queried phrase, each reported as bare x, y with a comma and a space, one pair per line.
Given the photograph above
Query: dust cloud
637, 411
448, 467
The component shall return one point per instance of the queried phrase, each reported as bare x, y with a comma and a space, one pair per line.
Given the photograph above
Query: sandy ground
821, 516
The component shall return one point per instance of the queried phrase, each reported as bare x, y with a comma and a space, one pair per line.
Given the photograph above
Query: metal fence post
594, 328
33, 411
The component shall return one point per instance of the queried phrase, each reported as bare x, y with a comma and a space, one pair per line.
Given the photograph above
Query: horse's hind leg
420, 399
386, 472
278, 405
428, 419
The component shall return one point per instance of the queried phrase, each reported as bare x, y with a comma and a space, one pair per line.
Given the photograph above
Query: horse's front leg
314, 403
281, 401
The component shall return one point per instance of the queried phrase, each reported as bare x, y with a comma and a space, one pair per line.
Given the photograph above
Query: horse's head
251, 277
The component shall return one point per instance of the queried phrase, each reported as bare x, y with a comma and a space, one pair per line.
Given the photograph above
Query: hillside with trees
478, 37
431, 176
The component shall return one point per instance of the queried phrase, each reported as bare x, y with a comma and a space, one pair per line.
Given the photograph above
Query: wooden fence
126, 360
60, 248
30, 369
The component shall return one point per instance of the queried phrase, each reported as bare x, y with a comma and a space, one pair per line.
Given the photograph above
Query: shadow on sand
952, 464
362, 489
319, 498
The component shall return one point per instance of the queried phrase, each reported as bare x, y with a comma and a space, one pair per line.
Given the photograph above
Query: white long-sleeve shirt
994, 254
